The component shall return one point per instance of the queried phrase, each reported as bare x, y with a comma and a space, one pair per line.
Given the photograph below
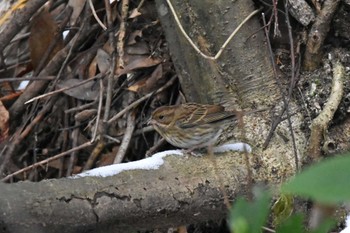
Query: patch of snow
65, 33
154, 162
23, 85
150, 163
240, 146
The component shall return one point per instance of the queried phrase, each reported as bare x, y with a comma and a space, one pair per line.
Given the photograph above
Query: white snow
154, 162
240, 146
23, 85
150, 163
65, 33
347, 223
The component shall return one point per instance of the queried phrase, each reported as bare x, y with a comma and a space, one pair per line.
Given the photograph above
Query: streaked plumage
191, 125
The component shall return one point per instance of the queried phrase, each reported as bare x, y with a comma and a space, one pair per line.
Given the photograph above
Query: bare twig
276, 31
225, 43
98, 113
96, 16
73, 155
140, 5
291, 86
130, 126
46, 161
27, 78
155, 147
137, 102
122, 31
79, 108
113, 63
63, 89
285, 108
94, 155
320, 123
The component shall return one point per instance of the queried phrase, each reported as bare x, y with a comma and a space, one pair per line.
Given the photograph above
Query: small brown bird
192, 126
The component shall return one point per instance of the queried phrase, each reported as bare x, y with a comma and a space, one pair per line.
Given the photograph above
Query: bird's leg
200, 151
192, 152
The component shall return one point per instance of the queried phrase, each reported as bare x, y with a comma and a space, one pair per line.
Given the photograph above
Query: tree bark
176, 193
242, 75
18, 21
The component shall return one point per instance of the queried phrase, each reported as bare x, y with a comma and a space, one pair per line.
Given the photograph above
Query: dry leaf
138, 62
85, 115
108, 158
103, 61
92, 68
43, 31
149, 84
140, 48
87, 91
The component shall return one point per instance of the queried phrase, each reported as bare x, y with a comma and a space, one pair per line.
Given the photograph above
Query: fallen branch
321, 122
182, 190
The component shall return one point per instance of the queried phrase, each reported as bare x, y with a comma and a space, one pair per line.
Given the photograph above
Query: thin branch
110, 82
98, 112
122, 31
223, 46
291, 86
320, 123
137, 102
48, 78
63, 89
41, 163
130, 127
278, 120
96, 16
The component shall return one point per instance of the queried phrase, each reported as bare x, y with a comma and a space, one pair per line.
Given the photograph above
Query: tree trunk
242, 75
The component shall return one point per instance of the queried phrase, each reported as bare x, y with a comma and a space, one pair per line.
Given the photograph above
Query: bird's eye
161, 117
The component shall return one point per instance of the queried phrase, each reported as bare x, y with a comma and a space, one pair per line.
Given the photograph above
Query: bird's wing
203, 114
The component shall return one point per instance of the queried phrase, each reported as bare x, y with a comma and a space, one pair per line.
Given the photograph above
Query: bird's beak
150, 121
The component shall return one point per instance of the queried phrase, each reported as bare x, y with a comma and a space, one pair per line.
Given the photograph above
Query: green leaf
325, 226
326, 182
282, 208
248, 217
294, 224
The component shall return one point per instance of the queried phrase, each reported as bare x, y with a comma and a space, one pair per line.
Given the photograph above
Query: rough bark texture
317, 35
243, 73
175, 194
17, 23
